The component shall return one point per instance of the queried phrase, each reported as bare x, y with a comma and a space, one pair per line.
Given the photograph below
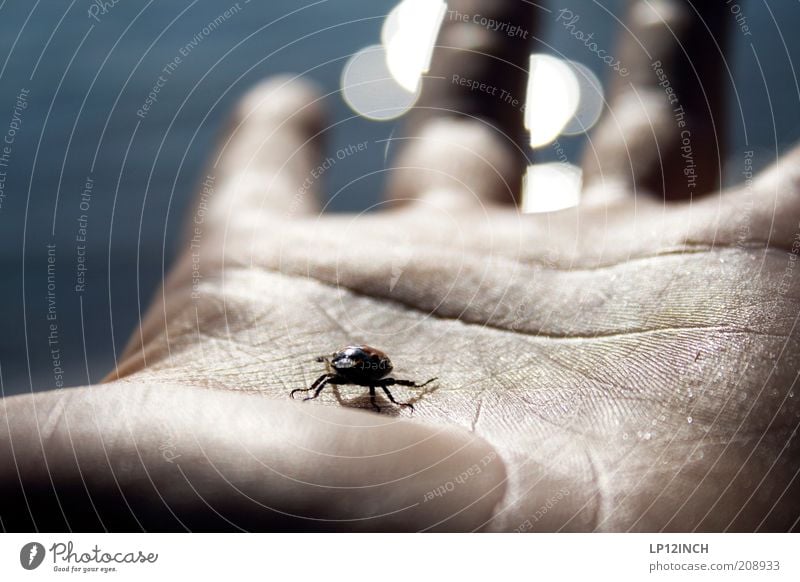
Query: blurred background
108, 111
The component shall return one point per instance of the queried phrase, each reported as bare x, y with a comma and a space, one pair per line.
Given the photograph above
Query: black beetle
362, 366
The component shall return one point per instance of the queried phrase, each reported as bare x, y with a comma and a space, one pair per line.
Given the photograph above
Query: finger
474, 96
777, 194
761, 213
454, 164
261, 172
129, 458
663, 132
264, 160
764, 210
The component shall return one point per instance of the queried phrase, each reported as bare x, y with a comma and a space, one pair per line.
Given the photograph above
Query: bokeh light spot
550, 187
409, 34
590, 103
552, 98
370, 89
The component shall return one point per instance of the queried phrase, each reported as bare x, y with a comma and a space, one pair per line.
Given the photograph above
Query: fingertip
456, 162
270, 144
279, 99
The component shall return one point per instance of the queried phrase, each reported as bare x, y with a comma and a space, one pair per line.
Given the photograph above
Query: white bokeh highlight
408, 35
550, 187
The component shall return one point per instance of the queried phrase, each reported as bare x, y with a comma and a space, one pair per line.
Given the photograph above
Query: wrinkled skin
628, 364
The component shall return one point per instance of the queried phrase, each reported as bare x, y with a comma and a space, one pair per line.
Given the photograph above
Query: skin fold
626, 365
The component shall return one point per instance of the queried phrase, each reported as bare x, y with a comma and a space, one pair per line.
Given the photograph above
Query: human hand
629, 362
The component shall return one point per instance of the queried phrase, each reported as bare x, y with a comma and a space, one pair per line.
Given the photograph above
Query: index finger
469, 119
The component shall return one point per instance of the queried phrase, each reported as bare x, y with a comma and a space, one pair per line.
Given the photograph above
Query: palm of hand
624, 361
620, 365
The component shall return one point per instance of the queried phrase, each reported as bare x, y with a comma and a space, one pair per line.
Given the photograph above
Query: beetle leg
389, 394
372, 399
317, 386
392, 381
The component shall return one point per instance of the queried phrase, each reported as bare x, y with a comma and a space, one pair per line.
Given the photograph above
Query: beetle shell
361, 364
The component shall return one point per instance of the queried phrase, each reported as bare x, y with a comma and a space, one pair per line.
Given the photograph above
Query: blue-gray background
87, 79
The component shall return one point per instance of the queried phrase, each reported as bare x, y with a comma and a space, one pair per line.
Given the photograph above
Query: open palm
628, 364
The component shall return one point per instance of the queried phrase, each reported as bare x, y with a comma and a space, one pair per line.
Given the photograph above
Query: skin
629, 364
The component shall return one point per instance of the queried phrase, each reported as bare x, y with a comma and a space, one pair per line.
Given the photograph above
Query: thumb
128, 457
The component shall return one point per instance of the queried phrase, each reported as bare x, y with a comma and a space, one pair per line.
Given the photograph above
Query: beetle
362, 366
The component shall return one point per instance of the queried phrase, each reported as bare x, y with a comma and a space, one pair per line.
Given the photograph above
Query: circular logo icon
31, 555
